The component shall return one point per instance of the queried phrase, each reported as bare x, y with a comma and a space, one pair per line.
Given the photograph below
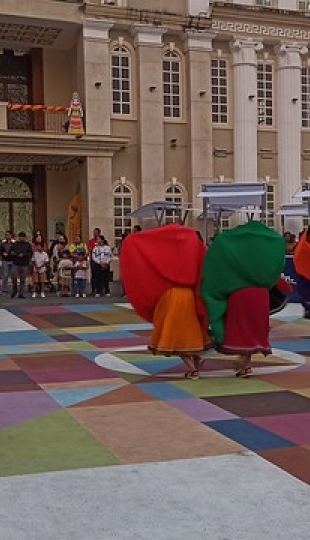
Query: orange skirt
177, 329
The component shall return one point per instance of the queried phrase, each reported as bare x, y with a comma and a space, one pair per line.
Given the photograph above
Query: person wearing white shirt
40, 262
101, 258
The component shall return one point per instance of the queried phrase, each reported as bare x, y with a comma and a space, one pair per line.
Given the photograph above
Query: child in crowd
40, 262
80, 269
101, 258
65, 267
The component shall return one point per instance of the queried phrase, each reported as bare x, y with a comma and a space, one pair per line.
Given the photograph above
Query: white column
97, 91
245, 109
148, 42
289, 119
198, 49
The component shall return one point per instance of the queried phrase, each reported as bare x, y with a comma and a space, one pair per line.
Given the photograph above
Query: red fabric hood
155, 260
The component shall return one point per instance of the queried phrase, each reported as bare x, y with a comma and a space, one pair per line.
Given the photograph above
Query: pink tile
43, 376
201, 410
293, 427
45, 310
114, 343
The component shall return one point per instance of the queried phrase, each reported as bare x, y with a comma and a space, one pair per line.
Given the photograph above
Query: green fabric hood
250, 255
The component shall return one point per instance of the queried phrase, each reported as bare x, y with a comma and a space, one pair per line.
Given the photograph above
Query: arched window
16, 206
173, 194
121, 80
123, 204
172, 85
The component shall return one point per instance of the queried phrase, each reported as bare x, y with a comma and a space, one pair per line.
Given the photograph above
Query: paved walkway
98, 439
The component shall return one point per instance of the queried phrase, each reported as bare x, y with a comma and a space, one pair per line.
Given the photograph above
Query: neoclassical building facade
175, 94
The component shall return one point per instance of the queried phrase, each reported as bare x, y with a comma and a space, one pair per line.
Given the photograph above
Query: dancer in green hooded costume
240, 268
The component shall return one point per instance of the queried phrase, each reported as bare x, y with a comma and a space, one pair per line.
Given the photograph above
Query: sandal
193, 375
244, 372
198, 361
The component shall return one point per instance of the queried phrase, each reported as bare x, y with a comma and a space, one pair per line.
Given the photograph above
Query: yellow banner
74, 218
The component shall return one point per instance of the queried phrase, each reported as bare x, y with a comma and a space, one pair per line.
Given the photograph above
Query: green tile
54, 331
225, 386
54, 442
80, 345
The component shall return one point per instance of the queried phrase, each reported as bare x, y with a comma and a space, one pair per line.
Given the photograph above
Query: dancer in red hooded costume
161, 272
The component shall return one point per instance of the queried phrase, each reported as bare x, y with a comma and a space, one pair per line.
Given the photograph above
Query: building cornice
127, 16
252, 21
59, 145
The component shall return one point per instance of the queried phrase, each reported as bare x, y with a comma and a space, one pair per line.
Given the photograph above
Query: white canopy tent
292, 210
249, 198
306, 196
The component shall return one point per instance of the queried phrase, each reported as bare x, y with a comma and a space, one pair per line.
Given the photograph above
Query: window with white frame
123, 204
120, 76
174, 194
219, 91
270, 206
172, 85
305, 220
265, 3
265, 93
225, 223
305, 97
304, 5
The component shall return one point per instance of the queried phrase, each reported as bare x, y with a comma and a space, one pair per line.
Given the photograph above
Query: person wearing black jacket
21, 253
6, 257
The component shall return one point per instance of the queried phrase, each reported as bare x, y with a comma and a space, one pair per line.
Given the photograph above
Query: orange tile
152, 431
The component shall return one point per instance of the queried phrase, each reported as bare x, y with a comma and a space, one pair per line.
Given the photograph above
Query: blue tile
299, 345
95, 336
35, 349
156, 366
89, 308
66, 398
90, 355
24, 337
164, 391
134, 327
248, 435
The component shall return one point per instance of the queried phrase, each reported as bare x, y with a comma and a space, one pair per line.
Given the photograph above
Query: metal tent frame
158, 209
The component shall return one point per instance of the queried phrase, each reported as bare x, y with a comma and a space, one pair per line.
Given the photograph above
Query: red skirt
247, 322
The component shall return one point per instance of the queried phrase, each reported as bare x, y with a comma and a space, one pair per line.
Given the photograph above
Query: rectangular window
172, 85
304, 5
305, 222
270, 206
265, 3
305, 97
219, 91
265, 94
120, 72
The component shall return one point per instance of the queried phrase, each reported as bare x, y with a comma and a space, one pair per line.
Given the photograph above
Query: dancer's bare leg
192, 372
244, 365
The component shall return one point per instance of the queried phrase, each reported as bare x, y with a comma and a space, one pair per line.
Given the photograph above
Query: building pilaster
97, 195
97, 91
198, 48
148, 43
245, 109
289, 119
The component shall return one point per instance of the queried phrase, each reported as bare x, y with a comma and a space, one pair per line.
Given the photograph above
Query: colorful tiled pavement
78, 389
